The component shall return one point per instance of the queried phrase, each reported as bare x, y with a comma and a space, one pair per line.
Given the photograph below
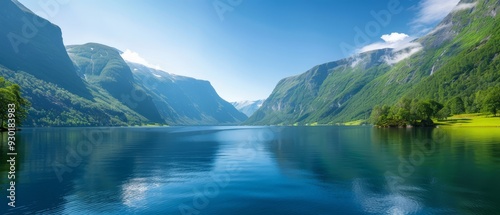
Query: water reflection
258, 170
405, 171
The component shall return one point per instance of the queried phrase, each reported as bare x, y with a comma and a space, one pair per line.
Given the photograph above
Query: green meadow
471, 120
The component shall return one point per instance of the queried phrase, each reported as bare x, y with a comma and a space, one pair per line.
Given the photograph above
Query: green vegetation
103, 67
459, 69
406, 113
11, 94
354, 123
491, 101
470, 120
458, 66
54, 106
420, 113
156, 95
456, 105
321, 92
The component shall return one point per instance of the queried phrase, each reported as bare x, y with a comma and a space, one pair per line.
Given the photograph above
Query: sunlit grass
353, 123
471, 120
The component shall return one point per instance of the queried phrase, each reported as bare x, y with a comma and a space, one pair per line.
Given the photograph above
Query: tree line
408, 112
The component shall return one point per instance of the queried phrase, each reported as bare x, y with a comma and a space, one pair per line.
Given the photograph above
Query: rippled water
255, 170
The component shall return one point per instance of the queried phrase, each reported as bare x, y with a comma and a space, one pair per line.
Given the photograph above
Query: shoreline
471, 120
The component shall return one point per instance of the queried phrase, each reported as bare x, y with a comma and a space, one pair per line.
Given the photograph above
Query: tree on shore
443, 114
380, 115
456, 105
491, 102
11, 94
406, 112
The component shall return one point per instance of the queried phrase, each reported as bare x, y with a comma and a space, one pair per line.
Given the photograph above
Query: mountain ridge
33, 44
91, 84
456, 35
181, 95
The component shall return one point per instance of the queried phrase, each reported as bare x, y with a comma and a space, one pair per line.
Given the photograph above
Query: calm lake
254, 170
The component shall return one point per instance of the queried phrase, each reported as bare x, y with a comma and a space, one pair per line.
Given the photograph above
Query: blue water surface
255, 170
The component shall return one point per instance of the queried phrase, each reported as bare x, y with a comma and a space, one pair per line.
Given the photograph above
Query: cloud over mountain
394, 37
432, 11
134, 57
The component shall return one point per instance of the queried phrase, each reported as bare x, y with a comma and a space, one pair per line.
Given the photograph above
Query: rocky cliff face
34, 45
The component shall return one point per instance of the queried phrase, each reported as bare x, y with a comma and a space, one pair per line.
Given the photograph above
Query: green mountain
32, 44
33, 56
103, 66
184, 100
458, 59
321, 91
92, 85
52, 105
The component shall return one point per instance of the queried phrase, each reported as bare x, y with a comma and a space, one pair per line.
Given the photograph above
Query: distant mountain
92, 85
248, 107
184, 100
458, 59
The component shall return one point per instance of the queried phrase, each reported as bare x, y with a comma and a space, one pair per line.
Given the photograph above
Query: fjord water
255, 170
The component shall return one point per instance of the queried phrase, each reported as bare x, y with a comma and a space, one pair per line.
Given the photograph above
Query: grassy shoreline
461, 120
470, 120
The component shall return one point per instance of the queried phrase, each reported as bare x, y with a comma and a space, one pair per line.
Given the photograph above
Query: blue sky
243, 47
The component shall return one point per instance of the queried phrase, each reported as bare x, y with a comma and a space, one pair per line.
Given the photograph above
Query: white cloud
407, 45
464, 6
401, 44
374, 46
403, 54
432, 11
134, 57
394, 40
394, 37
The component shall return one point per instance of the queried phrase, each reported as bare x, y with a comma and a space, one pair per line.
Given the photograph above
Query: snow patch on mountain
248, 107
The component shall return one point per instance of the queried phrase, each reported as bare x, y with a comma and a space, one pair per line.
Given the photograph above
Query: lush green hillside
444, 68
103, 66
54, 106
457, 61
321, 91
91, 84
40, 65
